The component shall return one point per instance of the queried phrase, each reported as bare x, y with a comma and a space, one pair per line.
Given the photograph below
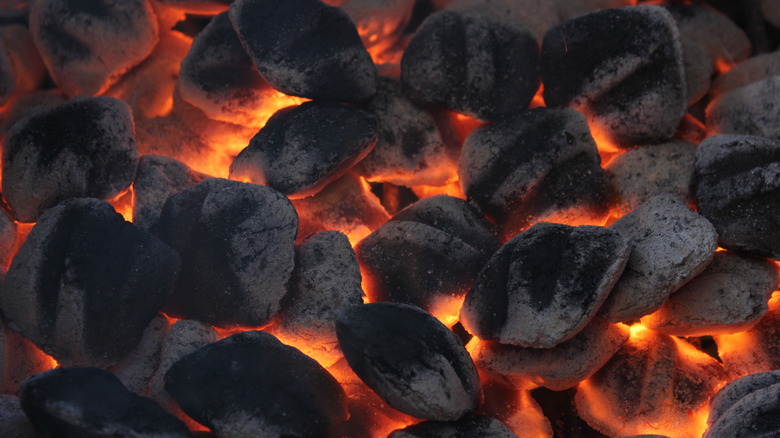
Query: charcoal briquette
90, 402
738, 190
471, 63
85, 283
301, 149
415, 363
535, 15
13, 422
85, 147
135, 370
237, 244
467, 427
305, 48
749, 110
251, 384
746, 407
737, 389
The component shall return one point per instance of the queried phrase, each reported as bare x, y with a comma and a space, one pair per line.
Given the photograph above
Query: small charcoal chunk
237, 243
301, 149
472, 63
560, 367
91, 402
410, 150
746, 407
623, 68
83, 148
468, 427
85, 283
738, 189
88, 45
305, 48
542, 287
13, 422
670, 244
156, 180
750, 110
730, 296
326, 278
414, 362
218, 76
250, 384
428, 253
543, 163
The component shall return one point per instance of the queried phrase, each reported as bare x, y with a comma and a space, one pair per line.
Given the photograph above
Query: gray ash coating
746, 407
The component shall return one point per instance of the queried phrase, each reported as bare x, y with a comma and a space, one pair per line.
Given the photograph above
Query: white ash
136, 369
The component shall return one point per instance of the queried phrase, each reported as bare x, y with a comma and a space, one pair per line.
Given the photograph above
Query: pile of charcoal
389, 218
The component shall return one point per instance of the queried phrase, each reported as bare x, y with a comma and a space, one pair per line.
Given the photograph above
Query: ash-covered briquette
156, 179
541, 163
198, 6
542, 287
90, 402
21, 68
468, 427
237, 244
13, 422
326, 278
670, 244
746, 407
250, 384
135, 370
301, 149
738, 189
85, 283
414, 362
749, 110
730, 296
623, 67
88, 45
428, 253
471, 63
643, 172
83, 148
557, 368
305, 48
218, 76
410, 150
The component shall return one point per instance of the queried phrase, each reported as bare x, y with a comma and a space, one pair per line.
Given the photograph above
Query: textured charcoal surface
90, 402
301, 149
471, 426
670, 244
409, 150
218, 76
135, 370
623, 67
326, 278
754, 350
749, 110
698, 70
542, 162
738, 389
251, 383
85, 283
13, 422
730, 296
21, 68
751, 70
750, 407
156, 179
472, 64
557, 368
305, 48
414, 362
83, 148
536, 15
738, 183
542, 287
23, 106
237, 243
429, 252
88, 45
641, 173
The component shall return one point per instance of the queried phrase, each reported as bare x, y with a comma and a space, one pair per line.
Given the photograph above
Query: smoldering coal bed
389, 218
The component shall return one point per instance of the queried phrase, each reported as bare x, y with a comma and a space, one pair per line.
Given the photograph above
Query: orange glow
607, 148
538, 100
447, 309
723, 65
377, 35
43, 360
528, 419
452, 189
124, 203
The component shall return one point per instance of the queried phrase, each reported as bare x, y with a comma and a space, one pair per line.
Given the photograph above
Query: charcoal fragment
88, 45
13, 422
471, 63
305, 48
428, 253
670, 244
85, 283
471, 426
90, 402
542, 287
623, 68
414, 362
749, 110
83, 148
302, 149
746, 407
251, 384
237, 243
738, 183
